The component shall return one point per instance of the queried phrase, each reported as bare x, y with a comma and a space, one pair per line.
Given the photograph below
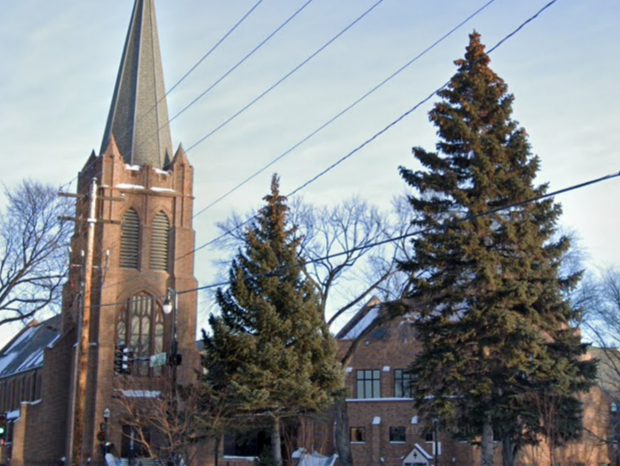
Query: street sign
158, 359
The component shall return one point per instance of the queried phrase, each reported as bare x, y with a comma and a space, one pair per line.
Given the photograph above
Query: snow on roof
315, 459
362, 324
129, 186
167, 190
415, 453
26, 351
141, 393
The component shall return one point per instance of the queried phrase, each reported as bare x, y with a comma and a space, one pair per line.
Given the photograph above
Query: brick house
143, 246
386, 430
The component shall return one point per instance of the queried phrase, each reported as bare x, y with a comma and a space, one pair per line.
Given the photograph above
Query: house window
130, 240
160, 242
368, 384
140, 327
402, 384
358, 434
397, 434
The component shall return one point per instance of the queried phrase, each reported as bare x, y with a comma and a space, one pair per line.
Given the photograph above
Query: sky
60, 60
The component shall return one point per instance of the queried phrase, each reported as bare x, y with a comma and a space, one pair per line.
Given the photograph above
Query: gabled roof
138, 116
25, 352
361, 320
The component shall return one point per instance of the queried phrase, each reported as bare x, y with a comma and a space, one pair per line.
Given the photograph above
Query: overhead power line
375, 136
186, 75
393, 239
290, 73
237, 65
347, 109
286, 76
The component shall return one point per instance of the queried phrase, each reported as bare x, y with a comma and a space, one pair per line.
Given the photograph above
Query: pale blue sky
60, 58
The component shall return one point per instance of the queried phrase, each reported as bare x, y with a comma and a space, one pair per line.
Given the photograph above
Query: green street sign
158, 359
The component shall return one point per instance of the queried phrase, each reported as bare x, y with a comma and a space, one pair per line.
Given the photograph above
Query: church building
127, 328
132, 250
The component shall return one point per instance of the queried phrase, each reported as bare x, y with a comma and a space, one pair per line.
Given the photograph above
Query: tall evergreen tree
495, 324
269, 345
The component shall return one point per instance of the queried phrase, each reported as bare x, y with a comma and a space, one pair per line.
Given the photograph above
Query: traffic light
127, 364
2, 428
123, 360
118, 359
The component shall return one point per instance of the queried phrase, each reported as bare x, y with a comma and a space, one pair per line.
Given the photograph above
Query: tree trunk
216, 450
508, 457
343, 438
276, 447
486, 443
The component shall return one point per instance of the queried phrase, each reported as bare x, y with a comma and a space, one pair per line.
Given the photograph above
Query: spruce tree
269, 347
495, 325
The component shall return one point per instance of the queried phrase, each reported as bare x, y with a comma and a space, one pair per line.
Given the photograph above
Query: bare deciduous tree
34, 259
174, 428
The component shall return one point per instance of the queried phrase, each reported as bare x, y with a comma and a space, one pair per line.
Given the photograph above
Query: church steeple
139, 109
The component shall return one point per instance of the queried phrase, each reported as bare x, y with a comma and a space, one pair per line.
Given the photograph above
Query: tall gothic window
160, 242
140, 327
130, 240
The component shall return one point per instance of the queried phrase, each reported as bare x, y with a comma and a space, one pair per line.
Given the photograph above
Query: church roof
138, 116
25, 352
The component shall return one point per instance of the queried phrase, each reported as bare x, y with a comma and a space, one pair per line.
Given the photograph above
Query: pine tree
495, 324
269, 346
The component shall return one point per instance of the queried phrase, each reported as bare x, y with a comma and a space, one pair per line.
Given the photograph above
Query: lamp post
170, 306
614, 413
436, 438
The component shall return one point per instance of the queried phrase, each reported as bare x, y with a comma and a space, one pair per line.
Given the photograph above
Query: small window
130, 240
398, 434
429, 436
402, 384
358, 434
368, 384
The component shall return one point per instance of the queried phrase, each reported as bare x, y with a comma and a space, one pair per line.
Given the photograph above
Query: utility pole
81, 361
84, 327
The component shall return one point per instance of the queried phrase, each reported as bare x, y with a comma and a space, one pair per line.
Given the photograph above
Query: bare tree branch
33, 245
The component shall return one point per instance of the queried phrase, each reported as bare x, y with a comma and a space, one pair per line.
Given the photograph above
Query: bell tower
142, 245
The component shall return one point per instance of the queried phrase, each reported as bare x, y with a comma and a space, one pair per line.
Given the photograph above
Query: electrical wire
284, 78
290, 73
347, 109
185, 76
375, 136
422, 231
237, 65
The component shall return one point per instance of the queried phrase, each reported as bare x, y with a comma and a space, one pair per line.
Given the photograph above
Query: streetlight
170, 306
614, 412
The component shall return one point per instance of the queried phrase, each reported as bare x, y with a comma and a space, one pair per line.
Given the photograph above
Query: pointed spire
139, 109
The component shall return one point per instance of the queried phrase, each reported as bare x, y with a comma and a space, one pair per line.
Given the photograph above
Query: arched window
140, 327
159, 242
130, 240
